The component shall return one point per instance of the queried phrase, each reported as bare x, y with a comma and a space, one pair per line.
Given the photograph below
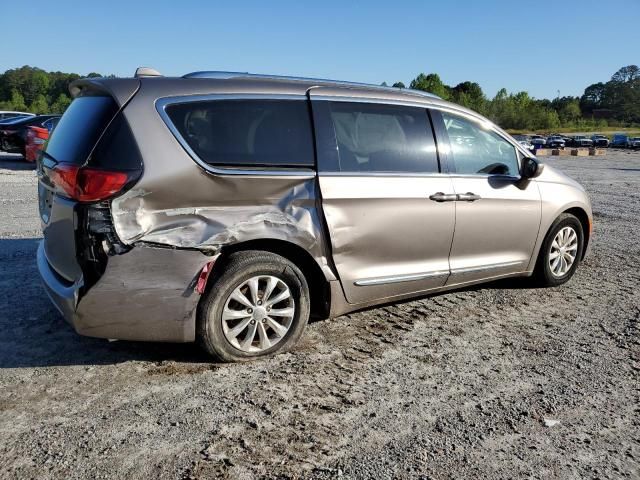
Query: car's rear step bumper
146, 294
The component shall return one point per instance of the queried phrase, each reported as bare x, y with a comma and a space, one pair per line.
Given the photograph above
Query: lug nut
253, 322
249, 310
264, 320
268, 309
259, 302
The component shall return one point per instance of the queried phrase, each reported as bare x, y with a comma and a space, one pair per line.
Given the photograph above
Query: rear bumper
62, 295
147, 294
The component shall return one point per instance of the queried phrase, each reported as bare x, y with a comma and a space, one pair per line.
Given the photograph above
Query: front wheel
258, 306
560, 252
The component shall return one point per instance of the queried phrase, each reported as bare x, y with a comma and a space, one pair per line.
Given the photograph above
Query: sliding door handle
443, 197
468, 197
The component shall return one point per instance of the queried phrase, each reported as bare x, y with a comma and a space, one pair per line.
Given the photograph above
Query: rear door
377, 168
497, 214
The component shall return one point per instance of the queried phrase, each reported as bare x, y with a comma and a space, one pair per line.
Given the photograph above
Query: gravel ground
500, 381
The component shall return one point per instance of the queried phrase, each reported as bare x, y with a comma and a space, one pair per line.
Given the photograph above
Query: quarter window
247, 133
479, 151
383, 138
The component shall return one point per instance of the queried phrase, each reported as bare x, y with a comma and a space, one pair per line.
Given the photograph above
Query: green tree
17, 101
430, 83
61, 104
570, 112
39, 105
399, 85
470, 95
626, 74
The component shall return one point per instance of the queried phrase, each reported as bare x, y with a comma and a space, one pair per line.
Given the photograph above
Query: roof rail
229, 75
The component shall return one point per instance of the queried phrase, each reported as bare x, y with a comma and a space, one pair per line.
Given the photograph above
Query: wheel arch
583, 217
319, 290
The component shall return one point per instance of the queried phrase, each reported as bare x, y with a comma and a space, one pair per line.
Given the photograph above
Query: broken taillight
86, 184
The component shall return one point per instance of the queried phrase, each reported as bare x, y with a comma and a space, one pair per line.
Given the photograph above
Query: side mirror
531, 168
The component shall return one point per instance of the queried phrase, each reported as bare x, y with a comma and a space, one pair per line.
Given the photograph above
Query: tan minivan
228, 208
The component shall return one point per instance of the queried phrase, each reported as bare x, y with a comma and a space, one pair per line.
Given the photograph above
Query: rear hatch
90, 158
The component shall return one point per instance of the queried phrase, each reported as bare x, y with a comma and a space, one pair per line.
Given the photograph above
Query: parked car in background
7, 114
581, 141
619, 140
524, 141
37, 137
13, 135
555, 141
600, 140
229, 208
537, 141
634, 143
10, 120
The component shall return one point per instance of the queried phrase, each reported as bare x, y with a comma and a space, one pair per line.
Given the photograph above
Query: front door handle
468, 197
443, 197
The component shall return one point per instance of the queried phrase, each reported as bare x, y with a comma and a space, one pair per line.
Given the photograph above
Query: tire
215, 333
544, 274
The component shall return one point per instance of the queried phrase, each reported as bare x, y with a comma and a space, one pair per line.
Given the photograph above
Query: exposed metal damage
292, 217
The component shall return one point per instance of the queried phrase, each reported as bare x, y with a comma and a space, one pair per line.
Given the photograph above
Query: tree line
31, 89
612, 103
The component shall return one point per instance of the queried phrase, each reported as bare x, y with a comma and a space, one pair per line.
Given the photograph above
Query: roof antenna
146, 72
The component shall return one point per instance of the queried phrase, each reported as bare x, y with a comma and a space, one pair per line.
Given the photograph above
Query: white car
524, 141
538, 140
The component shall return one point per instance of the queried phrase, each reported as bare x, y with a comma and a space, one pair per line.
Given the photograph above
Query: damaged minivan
229, 208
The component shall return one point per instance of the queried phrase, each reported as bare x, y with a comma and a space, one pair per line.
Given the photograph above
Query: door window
383, 138
479, 151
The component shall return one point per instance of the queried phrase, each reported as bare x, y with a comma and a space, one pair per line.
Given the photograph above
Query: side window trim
442, 139
162, 103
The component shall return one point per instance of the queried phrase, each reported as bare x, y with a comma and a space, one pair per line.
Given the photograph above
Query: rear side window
247, 133
80, 127
117, 148
383, 138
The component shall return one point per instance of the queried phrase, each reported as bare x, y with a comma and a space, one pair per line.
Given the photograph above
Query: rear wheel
258, 306
560, 252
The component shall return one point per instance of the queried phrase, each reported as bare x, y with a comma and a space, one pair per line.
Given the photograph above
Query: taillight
87, 184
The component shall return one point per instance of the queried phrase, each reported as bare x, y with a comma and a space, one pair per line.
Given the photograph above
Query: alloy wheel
563, 252
258, 313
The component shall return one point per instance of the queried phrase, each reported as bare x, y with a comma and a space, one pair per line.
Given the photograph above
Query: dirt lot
500, 381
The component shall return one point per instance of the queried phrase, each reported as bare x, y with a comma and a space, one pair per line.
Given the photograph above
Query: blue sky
538, 46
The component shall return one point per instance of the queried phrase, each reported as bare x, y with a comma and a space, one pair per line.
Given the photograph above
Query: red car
36, 138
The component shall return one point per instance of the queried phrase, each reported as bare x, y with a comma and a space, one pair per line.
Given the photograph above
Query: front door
497, 214
377, 168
